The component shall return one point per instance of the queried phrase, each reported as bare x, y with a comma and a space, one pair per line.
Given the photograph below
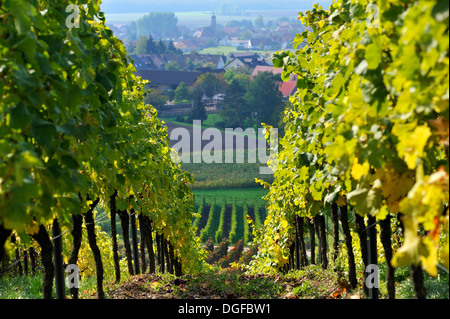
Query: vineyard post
59, 268
113, 212
18, 266
125, 223
47, 261
169, 257
142, 242
4, 234
134, 241
312, 241
372, 254
297, 244
90, 227
385, 238
335, 219
149, 241
303, 256
348, 242
77, 234
361, 229
161, 253
25, 262
32, 253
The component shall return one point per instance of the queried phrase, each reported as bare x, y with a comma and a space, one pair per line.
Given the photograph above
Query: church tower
213, 23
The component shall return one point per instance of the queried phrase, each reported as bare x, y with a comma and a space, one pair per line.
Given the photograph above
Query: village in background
191, 58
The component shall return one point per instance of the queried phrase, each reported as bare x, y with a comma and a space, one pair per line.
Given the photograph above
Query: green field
228, 49
211, 120
241, 194
220, 50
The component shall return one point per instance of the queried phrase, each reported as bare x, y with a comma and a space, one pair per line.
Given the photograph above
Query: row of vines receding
367, 134
75, 135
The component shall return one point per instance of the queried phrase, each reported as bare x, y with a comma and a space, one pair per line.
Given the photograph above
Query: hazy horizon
141, 6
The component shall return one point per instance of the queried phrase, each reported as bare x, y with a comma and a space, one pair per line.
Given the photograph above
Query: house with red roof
286, 88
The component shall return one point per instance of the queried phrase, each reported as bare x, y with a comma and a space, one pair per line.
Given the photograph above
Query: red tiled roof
258, 69
263, 68
287, 88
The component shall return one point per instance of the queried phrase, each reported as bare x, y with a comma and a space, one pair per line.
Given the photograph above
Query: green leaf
19, 116
121, 204
338, 81
21, 11
366, 201
277, 63
373, 55
43, 131
332, 196
285, 76
120, 179
440, 11
69, 161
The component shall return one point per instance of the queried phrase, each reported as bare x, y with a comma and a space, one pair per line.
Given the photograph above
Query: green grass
437, 287
30, 287
229, 49
21, 287
241, 194
211, 120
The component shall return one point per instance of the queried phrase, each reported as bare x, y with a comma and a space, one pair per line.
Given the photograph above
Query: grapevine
368, 127
75, 130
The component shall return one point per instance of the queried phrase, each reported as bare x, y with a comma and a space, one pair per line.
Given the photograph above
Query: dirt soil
226, 286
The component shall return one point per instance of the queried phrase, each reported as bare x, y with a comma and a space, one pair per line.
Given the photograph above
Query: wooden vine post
58, 260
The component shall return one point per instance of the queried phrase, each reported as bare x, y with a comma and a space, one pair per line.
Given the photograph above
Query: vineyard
88, 187
233, 220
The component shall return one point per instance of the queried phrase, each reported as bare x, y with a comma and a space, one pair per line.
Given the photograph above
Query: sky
136, 6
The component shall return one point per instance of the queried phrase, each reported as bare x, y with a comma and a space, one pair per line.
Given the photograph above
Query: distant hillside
136, 6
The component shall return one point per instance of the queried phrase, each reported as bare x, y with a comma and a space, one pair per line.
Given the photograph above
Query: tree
160, 47
141, 46
242, 74
198, 111
210, 84
181, 94
172, 49
259, 23
156, 98
172, 66
158, 24
235, 108
264, 100
150, 46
